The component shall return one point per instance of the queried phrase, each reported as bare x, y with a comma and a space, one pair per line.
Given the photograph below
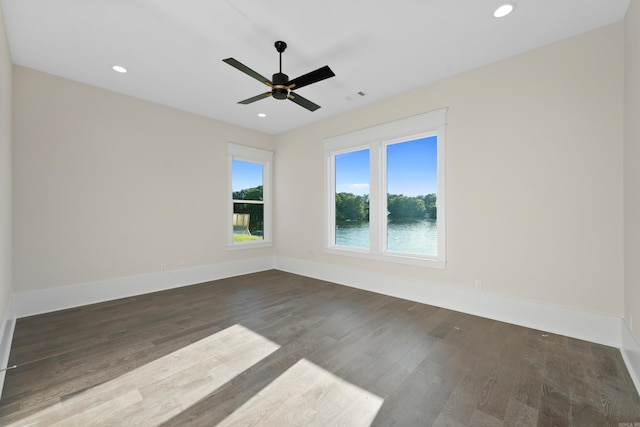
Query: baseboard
631, 354
595, 327
49, 300
6, 337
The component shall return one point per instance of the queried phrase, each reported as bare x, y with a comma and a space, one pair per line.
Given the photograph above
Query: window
385, 191
352, 199
250, 191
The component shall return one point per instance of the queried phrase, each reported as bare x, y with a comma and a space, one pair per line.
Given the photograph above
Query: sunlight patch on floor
307, 395
160, 390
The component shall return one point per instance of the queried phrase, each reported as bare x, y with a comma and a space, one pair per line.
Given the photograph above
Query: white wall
632, 165
108, 186
6, 311
534, 176
5, 173
632, 186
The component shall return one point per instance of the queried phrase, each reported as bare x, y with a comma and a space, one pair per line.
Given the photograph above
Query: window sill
389, 257
249, 245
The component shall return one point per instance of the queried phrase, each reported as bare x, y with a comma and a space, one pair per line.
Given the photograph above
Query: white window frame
376, 139
265, 158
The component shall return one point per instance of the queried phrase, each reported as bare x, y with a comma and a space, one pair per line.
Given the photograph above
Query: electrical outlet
479, 285
163, 266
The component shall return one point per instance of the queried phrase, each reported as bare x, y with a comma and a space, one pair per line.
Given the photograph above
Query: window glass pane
352, 199
246, 180
412, 171
248, 222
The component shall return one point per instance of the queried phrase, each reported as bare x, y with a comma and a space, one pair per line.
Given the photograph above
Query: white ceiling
174, 49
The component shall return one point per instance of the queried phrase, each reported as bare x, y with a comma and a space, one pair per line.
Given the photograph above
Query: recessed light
119, 69
262, 115
504, 10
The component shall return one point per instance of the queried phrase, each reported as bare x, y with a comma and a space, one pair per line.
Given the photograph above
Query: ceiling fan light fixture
504, 10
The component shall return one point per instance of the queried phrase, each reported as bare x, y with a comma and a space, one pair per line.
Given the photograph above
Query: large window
250, 190
385, 191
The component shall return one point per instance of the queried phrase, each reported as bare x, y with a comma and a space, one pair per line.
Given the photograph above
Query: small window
386, 191
250, 207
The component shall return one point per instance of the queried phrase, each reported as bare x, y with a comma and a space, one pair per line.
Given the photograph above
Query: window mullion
267, 201
383, 197
330, 193
375, 199
249, 202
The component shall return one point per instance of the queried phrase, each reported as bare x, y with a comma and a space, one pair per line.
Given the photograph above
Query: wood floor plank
419, 400
555, 401
278, 349
499, 383
389, 380
520, 414
530, 372
462, 402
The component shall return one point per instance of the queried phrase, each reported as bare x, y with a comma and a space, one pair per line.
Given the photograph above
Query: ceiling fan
281, 86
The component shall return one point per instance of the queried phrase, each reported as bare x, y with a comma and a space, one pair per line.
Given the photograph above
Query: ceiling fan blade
303, 102
255, 98
312, 77
240, 66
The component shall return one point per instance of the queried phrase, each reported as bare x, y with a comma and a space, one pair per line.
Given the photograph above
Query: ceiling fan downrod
280, 47
279, 90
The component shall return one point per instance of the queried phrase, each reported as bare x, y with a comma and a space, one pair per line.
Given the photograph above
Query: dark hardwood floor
278, 349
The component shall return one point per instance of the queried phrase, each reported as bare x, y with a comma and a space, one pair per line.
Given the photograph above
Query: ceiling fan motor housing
279, 90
